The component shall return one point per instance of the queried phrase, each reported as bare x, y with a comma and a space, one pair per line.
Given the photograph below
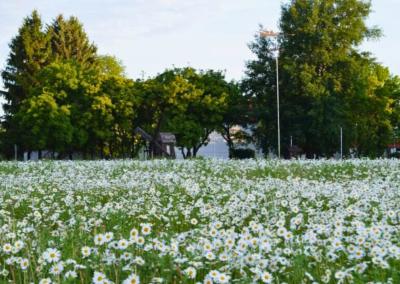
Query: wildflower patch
200, 221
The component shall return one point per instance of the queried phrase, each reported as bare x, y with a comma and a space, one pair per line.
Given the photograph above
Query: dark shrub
242, 153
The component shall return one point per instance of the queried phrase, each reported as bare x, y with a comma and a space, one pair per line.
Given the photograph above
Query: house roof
166, 137
397, 145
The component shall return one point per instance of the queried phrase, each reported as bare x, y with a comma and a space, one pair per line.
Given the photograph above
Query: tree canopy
64, 97
61, 96
326, 82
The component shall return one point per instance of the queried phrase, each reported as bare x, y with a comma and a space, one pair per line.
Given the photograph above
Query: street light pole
277, 105
267, 34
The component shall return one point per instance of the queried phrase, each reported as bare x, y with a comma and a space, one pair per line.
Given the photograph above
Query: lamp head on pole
271, 34
266, 34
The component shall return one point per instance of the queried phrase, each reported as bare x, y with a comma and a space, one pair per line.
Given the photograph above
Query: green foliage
188, 103
326, 83
237, 113
70, 42
162, 97
64, 97
60, 94
29, 52
110, 66
47, 125
119, 115
204, 110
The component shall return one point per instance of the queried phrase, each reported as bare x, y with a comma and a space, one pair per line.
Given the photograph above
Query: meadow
200, 221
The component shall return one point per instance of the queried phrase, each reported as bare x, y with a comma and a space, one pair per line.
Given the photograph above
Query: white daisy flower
51, 255
122, 244
99, 239
266, 277
146, 229
45, 281
57, 269
190, 272
99, 278
86, 251
132, 279
109, 236
7, 247
24, 262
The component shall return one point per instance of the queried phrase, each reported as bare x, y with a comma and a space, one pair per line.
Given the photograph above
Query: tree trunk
228, 139
195, 150
183, 153
188, 153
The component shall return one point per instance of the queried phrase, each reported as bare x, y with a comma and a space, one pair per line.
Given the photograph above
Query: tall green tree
54, 90
392, 89
205, 111
164, 98
29, 52
45, 123
65, 88
326, 82
69, 41
119, 116
189, 103
237, 117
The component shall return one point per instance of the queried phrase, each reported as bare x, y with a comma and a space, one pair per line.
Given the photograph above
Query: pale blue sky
151, 35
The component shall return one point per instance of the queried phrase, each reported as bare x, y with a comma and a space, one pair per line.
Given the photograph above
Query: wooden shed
167, 142
163, 145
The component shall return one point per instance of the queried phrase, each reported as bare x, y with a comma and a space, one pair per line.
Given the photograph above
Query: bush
242, 153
